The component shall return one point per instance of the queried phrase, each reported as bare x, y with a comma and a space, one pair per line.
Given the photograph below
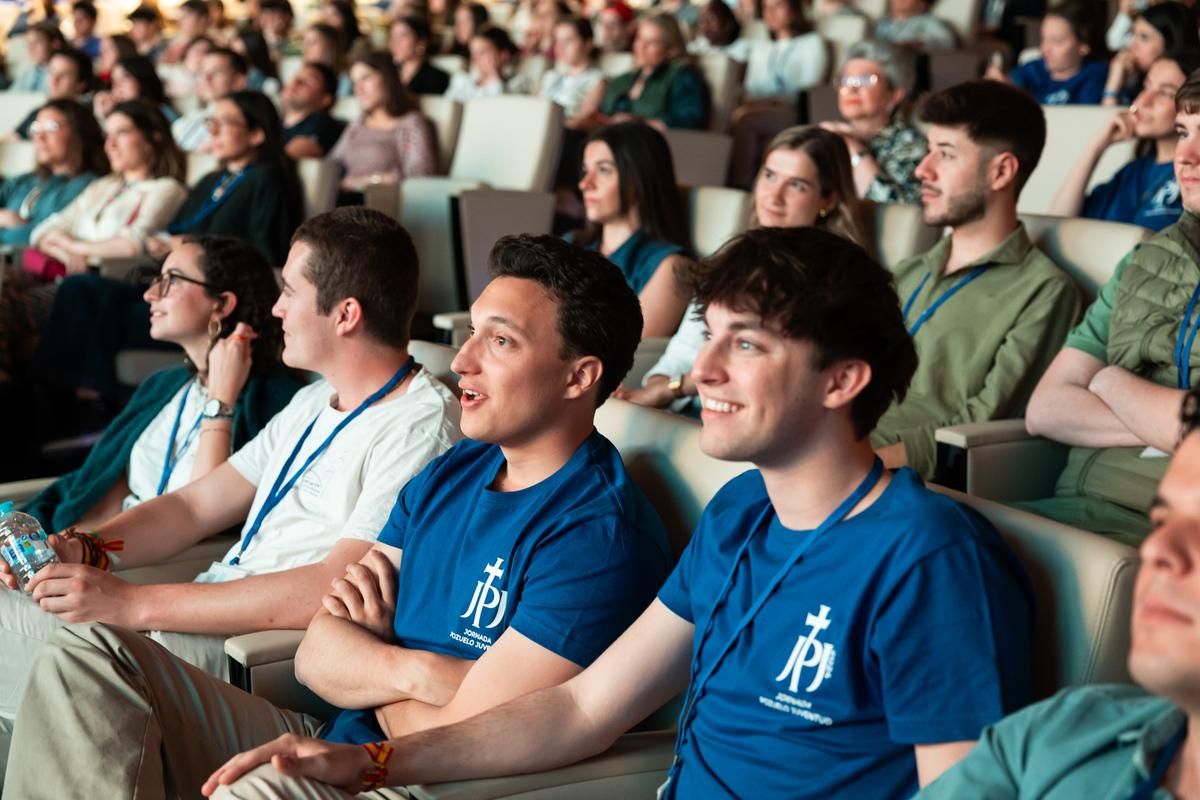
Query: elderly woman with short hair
875, 80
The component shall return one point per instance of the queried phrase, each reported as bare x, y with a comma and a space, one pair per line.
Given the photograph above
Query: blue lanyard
1146, 789
929, 312
172, 458
1185, 340
696, 688
223, 189
281, 487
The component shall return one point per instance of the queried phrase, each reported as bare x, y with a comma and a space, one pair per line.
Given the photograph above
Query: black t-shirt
318, 125
429, 80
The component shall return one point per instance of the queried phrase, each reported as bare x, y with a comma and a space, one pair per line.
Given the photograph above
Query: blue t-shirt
907, 624
1085, 87
570, 562
1141, 192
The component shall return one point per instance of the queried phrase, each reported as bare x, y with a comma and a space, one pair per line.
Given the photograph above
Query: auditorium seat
614, 64
960, 15
898, 232
346, 108
449, 63
199, 164
841, 31
446, 116
1000, 460
1068, 130
717, 214
701, 158
289, 66
319, 178
16, 106
533, 66
721, 73
529, 132
484, 215
17, 158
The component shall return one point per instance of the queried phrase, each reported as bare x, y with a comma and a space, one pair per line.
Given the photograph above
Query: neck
1164, 149
807, 489
291, 116
530, 462
866, 127
197, 352
131, 175
364, 372
1185, 772
239, 164
379, 116
1063, 74
976, 239
63, 169
615, 233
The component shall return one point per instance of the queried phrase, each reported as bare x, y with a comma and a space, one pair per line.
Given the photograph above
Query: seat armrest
976, 434
457, 322
263, 647
634, 766
998, 460
383, 197
263, 664
23, 491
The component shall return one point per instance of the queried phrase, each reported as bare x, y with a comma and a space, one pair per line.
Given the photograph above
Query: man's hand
79, 593
656, 394
69, 551
366, 595
11, 219
229, 364
340, 765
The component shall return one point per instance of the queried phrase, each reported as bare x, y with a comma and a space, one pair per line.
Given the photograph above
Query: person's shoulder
745, 493
1122, 707
926, 520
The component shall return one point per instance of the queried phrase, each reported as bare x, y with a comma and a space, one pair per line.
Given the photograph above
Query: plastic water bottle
23, 544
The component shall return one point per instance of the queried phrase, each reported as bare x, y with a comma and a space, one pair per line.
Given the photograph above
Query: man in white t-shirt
222, 71
314, 487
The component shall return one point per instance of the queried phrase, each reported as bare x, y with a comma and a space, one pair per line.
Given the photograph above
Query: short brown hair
365, 254
810, 284
1187, 99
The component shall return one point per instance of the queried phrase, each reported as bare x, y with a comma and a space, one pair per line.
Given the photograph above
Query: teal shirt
57, 192
1093, 742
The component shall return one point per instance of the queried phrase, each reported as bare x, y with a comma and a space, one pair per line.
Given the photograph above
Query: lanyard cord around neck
220, 193
929, 312
1185, 340
281, 486
698, 683
172, 458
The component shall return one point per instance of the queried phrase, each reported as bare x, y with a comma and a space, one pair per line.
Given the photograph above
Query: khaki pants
265, 783
111, 714
25, 627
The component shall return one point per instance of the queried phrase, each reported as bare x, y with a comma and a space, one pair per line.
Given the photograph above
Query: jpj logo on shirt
811, 659
1164, 201
487, 598
320, 475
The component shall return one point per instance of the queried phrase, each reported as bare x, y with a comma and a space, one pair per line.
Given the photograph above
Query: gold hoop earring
823, 213
214, 329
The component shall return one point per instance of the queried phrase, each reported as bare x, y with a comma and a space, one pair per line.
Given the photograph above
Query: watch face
212, 408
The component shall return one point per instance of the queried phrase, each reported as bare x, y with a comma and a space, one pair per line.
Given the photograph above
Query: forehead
185, 260
1165, 72
792, 162
1180, 487
946, 134
597, 151
862, 66
1185, 119
522, 302
118, 122
297, 261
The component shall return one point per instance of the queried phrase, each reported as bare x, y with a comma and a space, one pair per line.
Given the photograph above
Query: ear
845, 381
586, 372
898, 95
347, 315
1002, 171
257, 137
226, 303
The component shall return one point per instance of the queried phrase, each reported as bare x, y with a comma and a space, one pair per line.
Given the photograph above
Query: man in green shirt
1117, 741
986, 309
1114, 392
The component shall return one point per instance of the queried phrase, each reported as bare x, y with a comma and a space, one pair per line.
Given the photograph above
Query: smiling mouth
720, 406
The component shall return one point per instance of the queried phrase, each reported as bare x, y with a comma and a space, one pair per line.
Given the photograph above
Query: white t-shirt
150, 450
350, 489
783, 67
568, 90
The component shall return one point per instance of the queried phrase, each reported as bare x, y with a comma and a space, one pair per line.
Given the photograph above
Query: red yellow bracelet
95, 550
375, 777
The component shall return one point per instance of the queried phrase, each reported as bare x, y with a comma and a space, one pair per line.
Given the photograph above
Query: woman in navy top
1159, 30
1065, 74
635, 218
1144, 191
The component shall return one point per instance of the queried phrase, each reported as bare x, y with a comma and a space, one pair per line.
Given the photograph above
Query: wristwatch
676, 385
215, 409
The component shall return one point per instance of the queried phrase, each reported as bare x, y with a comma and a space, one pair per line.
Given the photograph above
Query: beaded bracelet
95, 550
375, 777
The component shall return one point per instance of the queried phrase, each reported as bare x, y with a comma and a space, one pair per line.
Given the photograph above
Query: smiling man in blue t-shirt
846, 632
521, 556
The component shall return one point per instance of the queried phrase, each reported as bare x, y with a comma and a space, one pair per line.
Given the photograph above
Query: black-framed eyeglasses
162, 283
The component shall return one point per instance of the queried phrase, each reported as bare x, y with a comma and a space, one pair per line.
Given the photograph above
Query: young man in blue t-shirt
847, 632
507, 566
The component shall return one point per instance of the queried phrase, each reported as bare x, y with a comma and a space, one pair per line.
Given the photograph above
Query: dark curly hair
88, 138
236, 266
598, 314
807, 283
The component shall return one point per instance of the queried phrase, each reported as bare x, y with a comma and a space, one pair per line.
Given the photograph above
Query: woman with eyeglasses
68, 146
885, 148
213, 298
254, 194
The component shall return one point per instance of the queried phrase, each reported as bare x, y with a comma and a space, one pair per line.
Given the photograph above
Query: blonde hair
829, 153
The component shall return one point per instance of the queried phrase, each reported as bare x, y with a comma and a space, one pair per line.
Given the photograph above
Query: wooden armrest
998, 460
262, 647
976, 434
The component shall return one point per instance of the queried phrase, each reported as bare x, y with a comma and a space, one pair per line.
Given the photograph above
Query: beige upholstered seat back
1083, 588
718, 214
1067, 128
509, 142
899, 232
1089, 249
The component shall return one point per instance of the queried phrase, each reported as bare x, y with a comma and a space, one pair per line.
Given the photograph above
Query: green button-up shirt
984, 349
1090, 743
